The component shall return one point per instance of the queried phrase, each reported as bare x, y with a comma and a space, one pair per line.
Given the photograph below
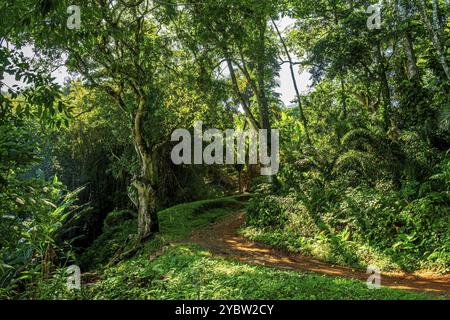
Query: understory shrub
364, 225
265, 209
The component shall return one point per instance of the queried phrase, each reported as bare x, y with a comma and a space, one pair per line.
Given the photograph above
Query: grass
337, 249
175, 224
178, 221
328, 248
185, 271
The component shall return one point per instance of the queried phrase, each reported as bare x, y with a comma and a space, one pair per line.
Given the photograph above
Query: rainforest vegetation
86, 176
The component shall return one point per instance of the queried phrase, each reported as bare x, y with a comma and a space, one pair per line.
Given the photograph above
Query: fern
361, 139
356, 160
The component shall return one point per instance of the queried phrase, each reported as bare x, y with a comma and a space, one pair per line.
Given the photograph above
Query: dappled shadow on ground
222, 239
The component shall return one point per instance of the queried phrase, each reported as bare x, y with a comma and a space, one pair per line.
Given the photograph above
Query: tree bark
294, 81
385, 87
145, 184
412, 70
261, 74
247, 111
148, 223
411, 62
434, 38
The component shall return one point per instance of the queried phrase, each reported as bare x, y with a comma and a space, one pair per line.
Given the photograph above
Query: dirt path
222, 239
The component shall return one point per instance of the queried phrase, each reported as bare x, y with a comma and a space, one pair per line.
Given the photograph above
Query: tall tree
433, 32
122, 51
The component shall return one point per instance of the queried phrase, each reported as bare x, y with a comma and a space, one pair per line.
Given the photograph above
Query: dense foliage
86, 176
373, 183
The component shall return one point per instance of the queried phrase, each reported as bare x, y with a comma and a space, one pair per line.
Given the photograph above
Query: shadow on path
222, 239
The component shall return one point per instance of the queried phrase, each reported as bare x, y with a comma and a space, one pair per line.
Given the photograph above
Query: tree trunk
246, 108
146, 183
148, 223
261, 74
412, 70
264, 111
434, 38
384, 87
411, 64
294, 81
436, 22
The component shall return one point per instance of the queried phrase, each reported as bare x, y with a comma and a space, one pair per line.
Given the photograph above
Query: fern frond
357, 160
357, 138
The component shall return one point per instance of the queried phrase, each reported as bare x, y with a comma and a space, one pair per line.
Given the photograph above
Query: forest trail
222, 239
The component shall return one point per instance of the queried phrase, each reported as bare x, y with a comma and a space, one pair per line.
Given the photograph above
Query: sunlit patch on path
222, 239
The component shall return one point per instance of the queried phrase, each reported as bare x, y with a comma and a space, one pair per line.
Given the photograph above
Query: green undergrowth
163, 268
328, 248
185, 271
338, 249
361, 227
119, 241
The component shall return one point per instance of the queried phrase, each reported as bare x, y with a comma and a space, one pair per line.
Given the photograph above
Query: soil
222, 239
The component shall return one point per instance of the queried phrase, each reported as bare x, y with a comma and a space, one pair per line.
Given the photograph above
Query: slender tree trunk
253, 85
343, 98
247, 111
261, 75
412, 70
384, 87
411, 65
239, 182
294, 81
145, 184
264, 111
434, 34
148, 223
436, 22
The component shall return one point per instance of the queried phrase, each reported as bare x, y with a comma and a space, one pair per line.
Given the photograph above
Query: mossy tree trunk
146, 182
